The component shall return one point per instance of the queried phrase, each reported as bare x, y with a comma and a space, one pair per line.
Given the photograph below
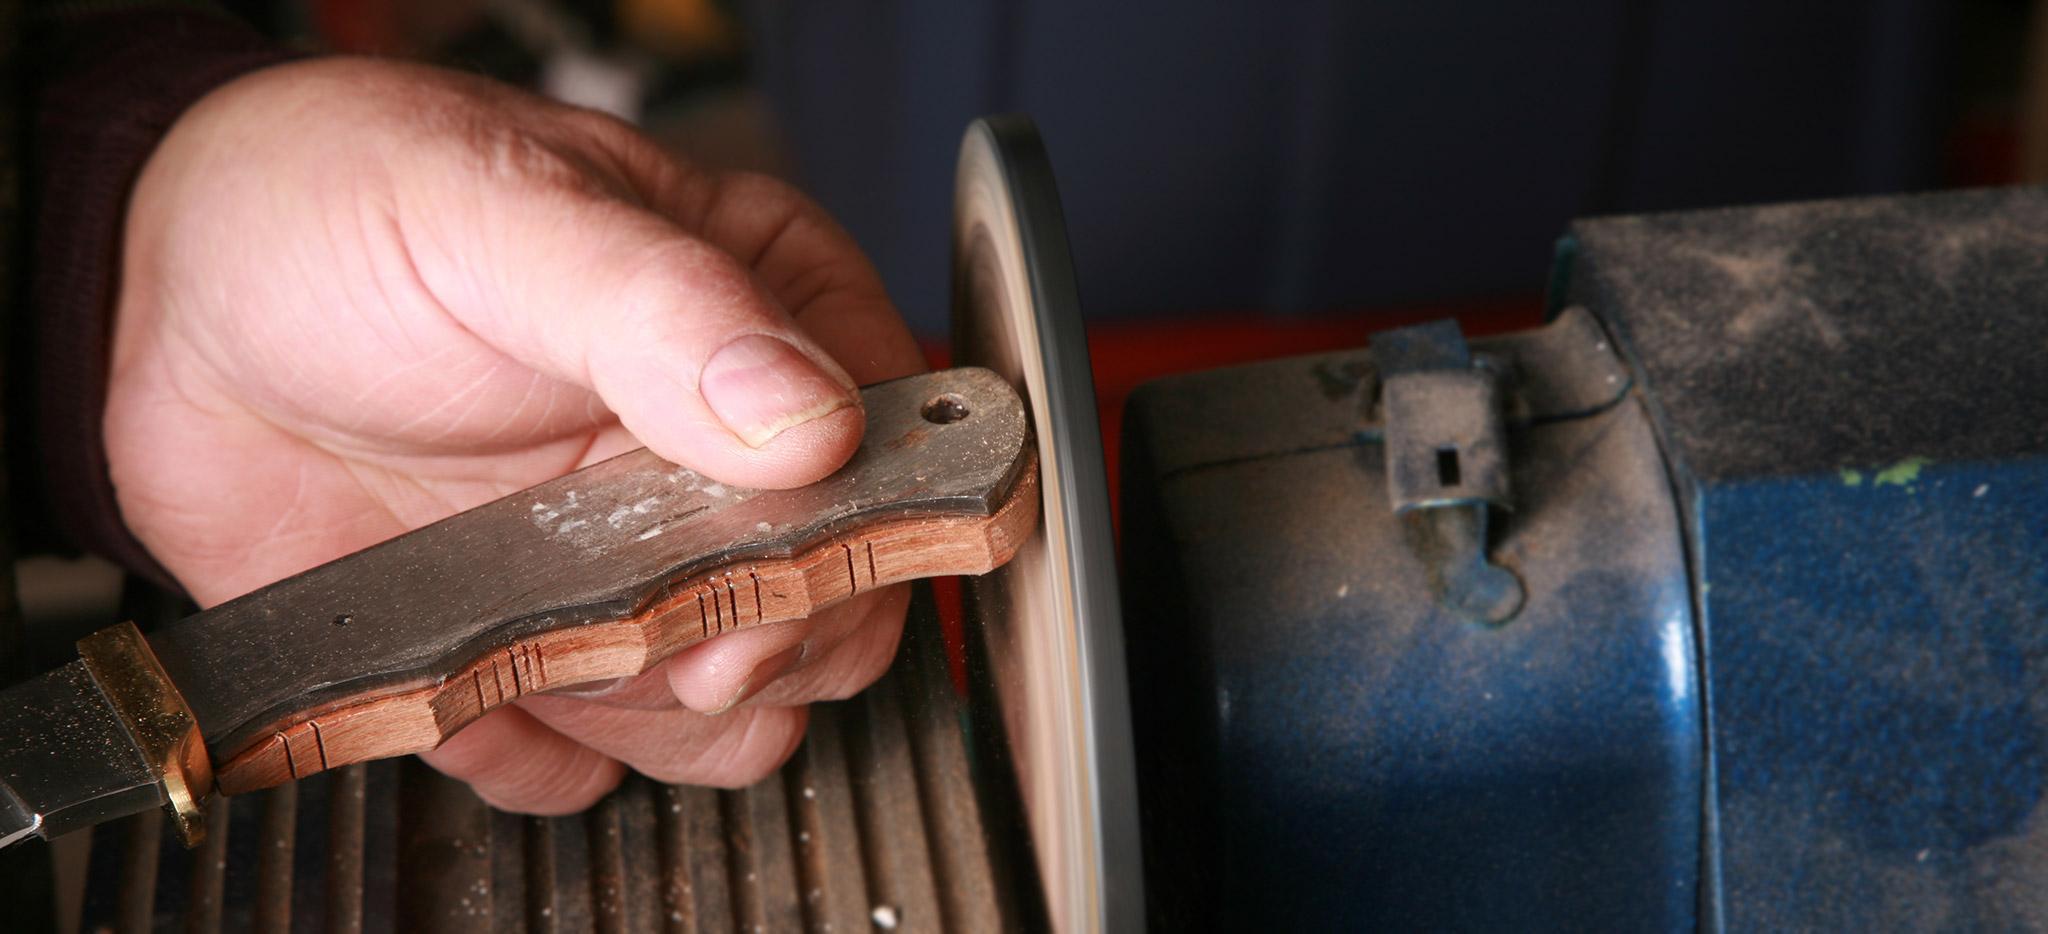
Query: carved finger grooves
417, 718
319, 744
536, 675
290, 764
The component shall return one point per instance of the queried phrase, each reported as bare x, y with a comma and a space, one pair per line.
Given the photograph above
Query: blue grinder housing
1777, 504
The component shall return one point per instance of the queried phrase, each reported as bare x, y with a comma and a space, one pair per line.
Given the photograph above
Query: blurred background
1248, 180
1284, 162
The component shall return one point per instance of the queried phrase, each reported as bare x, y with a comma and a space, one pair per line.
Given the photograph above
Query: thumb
675, 335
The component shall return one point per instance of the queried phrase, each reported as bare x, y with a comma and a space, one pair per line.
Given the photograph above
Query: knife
598, 574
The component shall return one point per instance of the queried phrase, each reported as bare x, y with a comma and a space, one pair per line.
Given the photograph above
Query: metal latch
1447, 463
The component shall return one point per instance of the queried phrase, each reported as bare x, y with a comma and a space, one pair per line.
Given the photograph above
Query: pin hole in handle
946, 408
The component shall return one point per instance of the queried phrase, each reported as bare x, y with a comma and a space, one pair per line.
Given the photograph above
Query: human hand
358, 297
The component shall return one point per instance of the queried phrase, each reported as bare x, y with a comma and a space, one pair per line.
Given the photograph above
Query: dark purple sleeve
102, 89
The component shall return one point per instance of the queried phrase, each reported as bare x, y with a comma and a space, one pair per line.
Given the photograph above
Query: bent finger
673, 333
647, 690
842, 669
724, 672
516, 763
816, 270
678, 745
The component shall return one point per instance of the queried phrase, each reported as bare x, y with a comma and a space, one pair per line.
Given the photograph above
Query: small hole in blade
344, 619
945, 409
1447, 467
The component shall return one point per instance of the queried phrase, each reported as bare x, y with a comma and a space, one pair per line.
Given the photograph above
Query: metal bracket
1447, 463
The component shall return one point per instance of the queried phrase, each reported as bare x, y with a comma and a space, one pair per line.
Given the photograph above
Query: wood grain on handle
595, 575
724, 600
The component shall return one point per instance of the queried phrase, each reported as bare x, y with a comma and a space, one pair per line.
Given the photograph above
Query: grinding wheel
1050, 619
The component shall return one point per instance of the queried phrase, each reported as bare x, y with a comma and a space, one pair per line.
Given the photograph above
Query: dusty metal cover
1050, 618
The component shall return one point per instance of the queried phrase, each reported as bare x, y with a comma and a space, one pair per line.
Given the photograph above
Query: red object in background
368, 27
949, 598
1982, 149
1126, 354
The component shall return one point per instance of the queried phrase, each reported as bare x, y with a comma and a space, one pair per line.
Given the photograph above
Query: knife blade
595, 575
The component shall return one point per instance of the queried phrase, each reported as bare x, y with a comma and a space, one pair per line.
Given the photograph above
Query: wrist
104, 88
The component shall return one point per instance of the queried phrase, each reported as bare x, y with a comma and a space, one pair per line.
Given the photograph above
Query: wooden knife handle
724, 600
600, 574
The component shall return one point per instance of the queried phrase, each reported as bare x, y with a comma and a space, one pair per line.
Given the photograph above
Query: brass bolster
157, 720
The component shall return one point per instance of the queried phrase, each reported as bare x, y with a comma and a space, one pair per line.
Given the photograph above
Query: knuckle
599, 127
769, 738
675, 270
864, 665
668, 261
668, 773
646, 174
740, 775
638, 170
513, 155
810, 286
754, 211
566, 802
738, 778
572, 787
758, 190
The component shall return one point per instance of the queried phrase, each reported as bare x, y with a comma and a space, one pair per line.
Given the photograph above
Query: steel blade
66, 761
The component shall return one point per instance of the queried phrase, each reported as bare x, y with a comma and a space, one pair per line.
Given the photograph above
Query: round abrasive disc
1049, 619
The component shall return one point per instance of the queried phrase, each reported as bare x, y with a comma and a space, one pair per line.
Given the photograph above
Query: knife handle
726, 599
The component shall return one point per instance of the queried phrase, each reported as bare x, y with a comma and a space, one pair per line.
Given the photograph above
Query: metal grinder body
1776, 500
